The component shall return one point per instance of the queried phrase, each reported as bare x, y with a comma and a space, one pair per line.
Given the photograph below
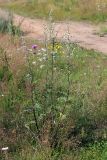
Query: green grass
61, 10
69, 86
96, 151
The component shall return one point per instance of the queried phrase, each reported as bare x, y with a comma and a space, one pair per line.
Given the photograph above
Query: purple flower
34, 46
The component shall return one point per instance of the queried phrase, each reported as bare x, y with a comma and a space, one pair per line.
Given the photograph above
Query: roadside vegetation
53, 101
93, 10
7, 26
53, 98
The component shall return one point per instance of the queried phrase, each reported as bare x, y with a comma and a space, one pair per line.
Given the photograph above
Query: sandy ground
81, 33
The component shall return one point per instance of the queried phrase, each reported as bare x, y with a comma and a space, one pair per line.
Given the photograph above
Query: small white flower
44, 58
30, 50
43, 49
54, 69
28, 75
34, 62
39, 53
41, 66
40, 59
5, 148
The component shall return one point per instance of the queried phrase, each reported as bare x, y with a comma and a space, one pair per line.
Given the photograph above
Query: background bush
7, 26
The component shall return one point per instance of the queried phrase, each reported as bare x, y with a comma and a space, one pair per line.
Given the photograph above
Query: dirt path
80, 32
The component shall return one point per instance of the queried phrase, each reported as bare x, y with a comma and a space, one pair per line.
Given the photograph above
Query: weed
53, 97
7, 26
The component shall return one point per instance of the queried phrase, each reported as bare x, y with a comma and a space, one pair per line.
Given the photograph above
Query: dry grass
81, 9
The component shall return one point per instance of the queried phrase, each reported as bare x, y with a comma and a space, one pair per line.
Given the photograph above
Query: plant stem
32, 99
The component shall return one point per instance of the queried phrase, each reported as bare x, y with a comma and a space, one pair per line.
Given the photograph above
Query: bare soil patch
81, 33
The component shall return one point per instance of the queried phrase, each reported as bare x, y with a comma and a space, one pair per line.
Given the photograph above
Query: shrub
7, 26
